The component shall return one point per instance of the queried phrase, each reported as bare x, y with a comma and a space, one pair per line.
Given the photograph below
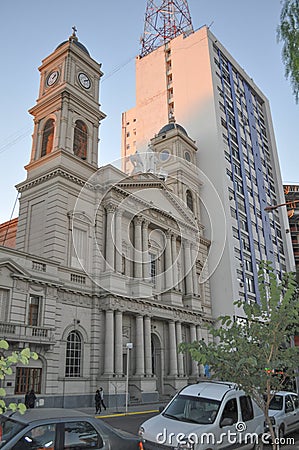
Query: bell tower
64, 148
67, 114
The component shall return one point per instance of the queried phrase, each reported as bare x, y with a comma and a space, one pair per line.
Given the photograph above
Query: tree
256, 351
6, 363
288, 33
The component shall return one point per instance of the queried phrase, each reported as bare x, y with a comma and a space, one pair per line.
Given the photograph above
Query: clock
52, 78
84, 80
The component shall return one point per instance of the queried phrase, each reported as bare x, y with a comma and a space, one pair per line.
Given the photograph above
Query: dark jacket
30, 398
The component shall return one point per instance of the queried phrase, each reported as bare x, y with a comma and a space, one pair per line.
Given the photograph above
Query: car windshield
8, 429
276, 403
186, 408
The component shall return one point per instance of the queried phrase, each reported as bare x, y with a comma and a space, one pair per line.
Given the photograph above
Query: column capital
186, 242
138, 220
169, 233
110, 207
146, 223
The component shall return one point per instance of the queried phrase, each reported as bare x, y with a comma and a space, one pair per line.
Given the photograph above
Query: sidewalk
121, 410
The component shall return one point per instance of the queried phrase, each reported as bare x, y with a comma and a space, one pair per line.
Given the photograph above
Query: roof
77, 43
46, 413
209, 389
172, 126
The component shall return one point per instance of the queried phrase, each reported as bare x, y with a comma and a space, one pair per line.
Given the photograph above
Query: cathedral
103, 272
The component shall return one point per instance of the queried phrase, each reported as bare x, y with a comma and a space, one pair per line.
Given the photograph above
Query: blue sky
111, 30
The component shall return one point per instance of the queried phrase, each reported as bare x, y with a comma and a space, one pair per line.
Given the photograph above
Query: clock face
84, 80
52, 78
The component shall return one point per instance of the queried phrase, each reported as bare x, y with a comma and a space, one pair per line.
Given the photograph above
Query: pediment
147, 193
13, 268
144, 178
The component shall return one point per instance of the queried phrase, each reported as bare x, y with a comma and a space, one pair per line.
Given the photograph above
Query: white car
209, 415
284, 413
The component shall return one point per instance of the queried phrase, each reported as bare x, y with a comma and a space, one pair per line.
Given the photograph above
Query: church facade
104, 273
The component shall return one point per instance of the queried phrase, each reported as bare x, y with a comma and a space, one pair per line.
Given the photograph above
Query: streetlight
129, 346
292, 205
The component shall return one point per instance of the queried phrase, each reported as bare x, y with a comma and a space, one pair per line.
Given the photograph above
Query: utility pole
164, 20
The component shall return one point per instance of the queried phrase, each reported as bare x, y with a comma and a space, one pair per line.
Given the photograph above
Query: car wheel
259, 445
281, 432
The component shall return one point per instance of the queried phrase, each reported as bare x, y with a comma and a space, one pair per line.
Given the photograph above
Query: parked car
284, 413
61, 429
209, 415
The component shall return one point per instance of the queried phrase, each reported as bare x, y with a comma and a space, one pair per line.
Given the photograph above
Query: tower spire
164, 20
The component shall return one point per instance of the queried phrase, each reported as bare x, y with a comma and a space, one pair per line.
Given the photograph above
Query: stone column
139, 346
174, 261
180, 355
198, 333
173, 363
145, 260
147, 346
109, 343
188, 268
168, 262
118, 363
193, 337
137, 248
118, 241
64, 122
110, 237
94, 145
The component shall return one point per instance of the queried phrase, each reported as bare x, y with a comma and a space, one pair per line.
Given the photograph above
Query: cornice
48, 176
151, 308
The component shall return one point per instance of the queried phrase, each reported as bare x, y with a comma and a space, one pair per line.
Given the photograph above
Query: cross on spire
73, 36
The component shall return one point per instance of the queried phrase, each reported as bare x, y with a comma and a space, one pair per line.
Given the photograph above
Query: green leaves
288, 34
244, 347
6, 363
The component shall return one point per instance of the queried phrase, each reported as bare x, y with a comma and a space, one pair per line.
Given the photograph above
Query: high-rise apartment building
292, 198
194, 78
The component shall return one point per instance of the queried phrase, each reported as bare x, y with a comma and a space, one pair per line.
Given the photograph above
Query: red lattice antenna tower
164, 20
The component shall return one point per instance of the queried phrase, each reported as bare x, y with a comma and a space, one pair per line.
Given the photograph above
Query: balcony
20, 333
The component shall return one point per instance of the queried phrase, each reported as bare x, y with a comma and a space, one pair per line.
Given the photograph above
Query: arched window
48, 137
73, 355
80, 140
189, 200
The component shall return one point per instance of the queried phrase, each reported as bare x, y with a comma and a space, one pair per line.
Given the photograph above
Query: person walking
102, 398
97, 399
30, 398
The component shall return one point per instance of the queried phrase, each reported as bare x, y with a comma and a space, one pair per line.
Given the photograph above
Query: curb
131, 413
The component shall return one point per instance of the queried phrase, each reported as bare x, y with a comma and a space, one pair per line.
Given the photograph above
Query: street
132, 421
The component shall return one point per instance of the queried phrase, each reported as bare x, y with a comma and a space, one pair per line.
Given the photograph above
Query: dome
81, 46
172, 126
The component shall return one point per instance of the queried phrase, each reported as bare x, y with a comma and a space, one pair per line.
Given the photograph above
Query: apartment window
249, 284
34, 310
28, 378
4, 299
73, 355
247, 265
245, 243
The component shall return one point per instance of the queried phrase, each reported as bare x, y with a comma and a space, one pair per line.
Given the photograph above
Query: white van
209, 415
